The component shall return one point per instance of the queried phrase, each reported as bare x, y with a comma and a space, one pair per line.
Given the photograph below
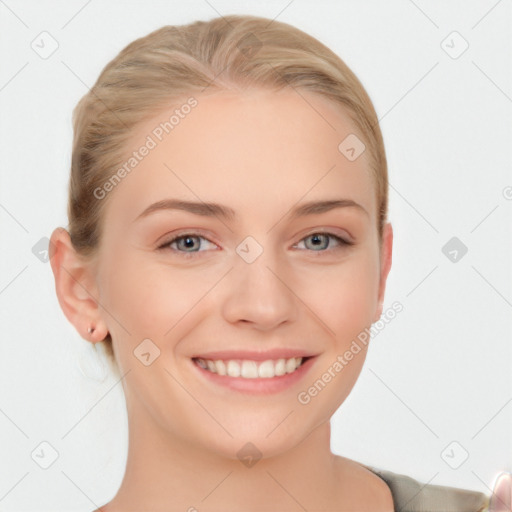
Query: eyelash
166, 245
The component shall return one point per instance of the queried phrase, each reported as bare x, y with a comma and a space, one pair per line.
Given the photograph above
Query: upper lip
255, 355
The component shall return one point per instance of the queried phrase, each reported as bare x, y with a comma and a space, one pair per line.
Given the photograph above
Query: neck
164, 473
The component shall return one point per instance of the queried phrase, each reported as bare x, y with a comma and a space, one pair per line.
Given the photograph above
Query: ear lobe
74, 284
386, 257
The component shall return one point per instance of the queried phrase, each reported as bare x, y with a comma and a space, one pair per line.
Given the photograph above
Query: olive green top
410, 495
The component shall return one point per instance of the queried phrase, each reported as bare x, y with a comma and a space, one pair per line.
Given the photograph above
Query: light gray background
439, 373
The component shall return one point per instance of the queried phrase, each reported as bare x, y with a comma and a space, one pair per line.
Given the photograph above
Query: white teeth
266, 369
233, 369
249, 369
290, 365
280, 367
220, 367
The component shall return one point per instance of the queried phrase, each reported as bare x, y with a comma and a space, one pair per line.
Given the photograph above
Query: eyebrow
227, 213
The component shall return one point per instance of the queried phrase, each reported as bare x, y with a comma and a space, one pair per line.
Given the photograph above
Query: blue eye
319, 239
188, 244
190, 241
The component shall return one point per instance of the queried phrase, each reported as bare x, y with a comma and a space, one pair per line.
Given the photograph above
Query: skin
501, 498
260, 153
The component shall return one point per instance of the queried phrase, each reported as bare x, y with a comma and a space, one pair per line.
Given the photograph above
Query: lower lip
258, 386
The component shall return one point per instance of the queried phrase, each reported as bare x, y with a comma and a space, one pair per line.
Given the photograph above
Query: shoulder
367, 486
426, 497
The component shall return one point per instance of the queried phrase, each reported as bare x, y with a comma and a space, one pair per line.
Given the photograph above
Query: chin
255, 436
249, 448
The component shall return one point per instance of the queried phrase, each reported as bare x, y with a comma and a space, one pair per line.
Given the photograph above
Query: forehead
246, 149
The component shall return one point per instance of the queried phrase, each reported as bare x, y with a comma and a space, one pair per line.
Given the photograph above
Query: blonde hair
173, 61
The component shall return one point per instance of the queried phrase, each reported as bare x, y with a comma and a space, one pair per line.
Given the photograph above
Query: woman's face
255, 279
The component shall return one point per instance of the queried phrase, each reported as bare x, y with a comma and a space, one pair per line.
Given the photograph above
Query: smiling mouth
250, 369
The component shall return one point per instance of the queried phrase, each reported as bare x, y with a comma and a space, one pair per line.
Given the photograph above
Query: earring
90, 330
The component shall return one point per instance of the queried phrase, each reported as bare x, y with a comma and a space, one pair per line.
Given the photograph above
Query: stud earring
90, 330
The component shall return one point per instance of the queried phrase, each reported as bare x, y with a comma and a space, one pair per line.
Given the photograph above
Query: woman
228, 243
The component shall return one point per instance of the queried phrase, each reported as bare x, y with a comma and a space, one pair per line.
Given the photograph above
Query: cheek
157, 301
152, 300
344, 296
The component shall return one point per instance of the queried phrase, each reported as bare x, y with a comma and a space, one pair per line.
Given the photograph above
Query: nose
260, 294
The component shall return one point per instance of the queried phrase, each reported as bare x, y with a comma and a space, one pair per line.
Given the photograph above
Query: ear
76, 287
385, 266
